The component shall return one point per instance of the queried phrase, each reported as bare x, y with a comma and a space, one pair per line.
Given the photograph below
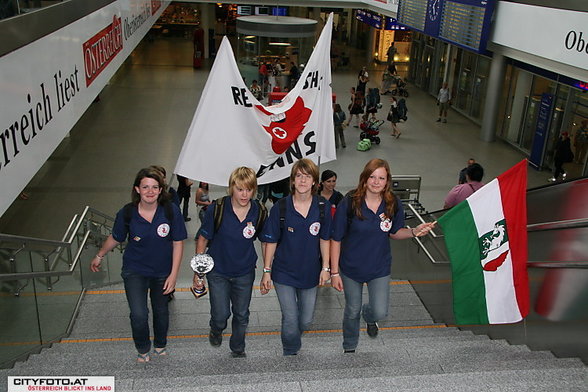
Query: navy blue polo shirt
231, 247
297, 258
365, 244
150, 247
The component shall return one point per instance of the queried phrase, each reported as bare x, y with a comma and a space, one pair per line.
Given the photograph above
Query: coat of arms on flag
486, 238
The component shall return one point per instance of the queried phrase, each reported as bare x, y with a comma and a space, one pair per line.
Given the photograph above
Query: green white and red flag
486, 238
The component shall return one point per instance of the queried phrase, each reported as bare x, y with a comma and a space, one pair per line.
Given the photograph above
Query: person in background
231, 247
581, 142
357, 106
256, 90
364, 222
155, 232
184, 192
462, 173
297, 252
563, 154
202, 199
294, 74
327, 188
362, 79
338, 121
394, 118
443, 101
460, 192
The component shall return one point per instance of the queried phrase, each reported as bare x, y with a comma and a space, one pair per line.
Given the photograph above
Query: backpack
128, 212
282, 206
220, 207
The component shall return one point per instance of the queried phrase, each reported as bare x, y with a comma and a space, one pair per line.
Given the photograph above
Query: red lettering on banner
102, 48
155, 5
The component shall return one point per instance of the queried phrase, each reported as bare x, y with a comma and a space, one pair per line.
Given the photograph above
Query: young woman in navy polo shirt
360, 248
231, 247
151, 260
293, 252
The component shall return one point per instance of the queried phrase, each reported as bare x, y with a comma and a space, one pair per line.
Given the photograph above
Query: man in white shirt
443, 101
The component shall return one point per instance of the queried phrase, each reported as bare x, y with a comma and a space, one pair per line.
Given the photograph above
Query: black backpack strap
219, 208
282, 208
321, 205
127, 215
261, 216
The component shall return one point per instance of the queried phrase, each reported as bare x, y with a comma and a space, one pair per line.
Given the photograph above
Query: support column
495, 82
205, 24
370, 46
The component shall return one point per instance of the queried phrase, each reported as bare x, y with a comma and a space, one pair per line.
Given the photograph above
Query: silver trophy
202, 264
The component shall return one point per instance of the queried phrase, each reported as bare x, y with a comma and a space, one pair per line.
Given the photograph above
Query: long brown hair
359, 193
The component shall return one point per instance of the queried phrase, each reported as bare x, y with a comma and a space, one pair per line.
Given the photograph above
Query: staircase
409, 354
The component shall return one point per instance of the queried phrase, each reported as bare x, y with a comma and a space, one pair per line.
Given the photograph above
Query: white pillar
495, 82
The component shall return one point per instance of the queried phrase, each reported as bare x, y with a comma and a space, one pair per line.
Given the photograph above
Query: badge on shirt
163, 230
314, 228
249, 230
385, 224
136, 238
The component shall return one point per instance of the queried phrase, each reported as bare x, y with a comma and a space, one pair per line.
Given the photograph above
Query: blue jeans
136, 288
297, 307
226, 295
376, 309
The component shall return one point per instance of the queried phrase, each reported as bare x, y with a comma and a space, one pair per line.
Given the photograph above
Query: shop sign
555, 34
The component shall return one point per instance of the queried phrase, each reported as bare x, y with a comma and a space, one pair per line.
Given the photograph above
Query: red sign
102, 48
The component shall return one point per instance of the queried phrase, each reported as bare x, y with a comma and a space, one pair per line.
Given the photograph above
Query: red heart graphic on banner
286, 130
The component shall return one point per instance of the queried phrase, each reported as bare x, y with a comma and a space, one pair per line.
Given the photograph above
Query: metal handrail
59, 247
47, 274
535, 227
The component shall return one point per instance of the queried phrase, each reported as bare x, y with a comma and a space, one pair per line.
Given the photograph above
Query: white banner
232, 128
46, 86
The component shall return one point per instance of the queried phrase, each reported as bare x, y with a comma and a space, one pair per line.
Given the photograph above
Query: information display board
465, 23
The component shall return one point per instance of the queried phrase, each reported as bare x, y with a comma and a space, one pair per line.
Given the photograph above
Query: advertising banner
47, 85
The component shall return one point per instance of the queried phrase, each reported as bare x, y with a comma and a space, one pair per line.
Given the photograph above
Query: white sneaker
552, 179
563, 176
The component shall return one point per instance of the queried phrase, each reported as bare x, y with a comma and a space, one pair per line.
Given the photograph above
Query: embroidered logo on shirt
385, 224
163, 230
314, 228
290, 229
249, 230
136, 238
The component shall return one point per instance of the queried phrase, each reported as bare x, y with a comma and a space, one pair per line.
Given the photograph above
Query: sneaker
563, 176
439, 119
215, 339
348, 351
238, 354
552, 179
372, 330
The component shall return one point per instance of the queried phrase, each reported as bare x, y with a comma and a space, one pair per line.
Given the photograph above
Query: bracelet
326, 269
412, 231
99, 257
333, 275
267, 270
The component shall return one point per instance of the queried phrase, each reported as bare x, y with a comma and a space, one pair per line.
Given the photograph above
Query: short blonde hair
244, 177
305, 166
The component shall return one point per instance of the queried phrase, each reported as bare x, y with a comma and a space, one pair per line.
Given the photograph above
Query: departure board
466, 23
413, 13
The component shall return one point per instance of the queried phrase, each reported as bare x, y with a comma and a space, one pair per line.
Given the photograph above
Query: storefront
528, 91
